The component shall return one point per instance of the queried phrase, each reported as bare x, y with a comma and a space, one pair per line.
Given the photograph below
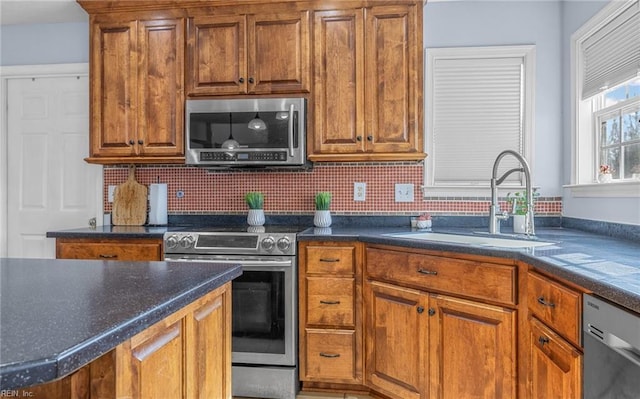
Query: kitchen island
60, 318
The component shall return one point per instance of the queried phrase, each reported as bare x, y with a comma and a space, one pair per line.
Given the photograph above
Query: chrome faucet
494, 209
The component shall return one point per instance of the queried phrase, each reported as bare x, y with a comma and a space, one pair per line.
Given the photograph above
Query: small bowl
423, 224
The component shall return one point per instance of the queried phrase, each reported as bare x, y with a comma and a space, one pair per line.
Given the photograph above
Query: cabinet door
153, 363
396, 340
217, 55
113, 88
394, 79
209, 351
554, 365
279, 55
160, 88
472, 350
339, 81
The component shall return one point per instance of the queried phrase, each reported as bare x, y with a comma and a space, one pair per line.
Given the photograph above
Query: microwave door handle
291, 130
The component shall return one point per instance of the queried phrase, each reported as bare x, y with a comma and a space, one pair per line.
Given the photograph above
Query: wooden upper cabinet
137, 95
368, 84
249, 54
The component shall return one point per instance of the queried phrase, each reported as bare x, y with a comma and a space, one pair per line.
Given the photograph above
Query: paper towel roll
158, 204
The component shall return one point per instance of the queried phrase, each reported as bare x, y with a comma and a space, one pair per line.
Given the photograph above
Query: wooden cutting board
129, 202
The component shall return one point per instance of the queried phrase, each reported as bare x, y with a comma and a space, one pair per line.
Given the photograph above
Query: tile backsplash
292, 192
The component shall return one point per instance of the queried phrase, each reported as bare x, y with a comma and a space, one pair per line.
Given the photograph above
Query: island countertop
58, 315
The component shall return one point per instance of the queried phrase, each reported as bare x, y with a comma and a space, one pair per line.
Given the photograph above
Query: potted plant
519, 208
605, 175
322, 217
255, 201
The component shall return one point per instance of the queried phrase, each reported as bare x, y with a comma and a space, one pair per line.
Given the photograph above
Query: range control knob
171, 242
268, 244
186, 241
284, 244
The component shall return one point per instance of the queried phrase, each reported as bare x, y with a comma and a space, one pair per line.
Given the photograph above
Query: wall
62, 43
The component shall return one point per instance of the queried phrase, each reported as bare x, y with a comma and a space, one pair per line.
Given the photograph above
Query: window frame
528, 55
585, 132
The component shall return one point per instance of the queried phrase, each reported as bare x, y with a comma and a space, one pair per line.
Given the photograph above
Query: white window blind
611, 54
477, 99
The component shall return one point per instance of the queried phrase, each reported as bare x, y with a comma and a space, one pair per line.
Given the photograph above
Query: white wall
63, 43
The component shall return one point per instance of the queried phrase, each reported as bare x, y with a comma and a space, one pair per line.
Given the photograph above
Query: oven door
264, 311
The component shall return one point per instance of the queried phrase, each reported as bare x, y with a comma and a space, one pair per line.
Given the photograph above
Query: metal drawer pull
107, 256
541, 301
543, 340
331, 355
329, 302
429, 272
333, 260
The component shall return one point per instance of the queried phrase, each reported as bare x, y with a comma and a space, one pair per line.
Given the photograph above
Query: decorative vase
255, 217
604, 178
520, 224
423, 224
322, 219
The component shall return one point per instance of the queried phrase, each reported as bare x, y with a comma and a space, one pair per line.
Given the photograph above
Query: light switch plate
404, 192
359, 191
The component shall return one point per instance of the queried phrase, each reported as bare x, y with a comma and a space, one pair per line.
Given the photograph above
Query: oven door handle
621, 347
291, 130
243, 263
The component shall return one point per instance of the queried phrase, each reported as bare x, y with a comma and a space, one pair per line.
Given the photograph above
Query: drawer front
330, 356
109, 251
330, 301
476, 279
331, 260
556, 305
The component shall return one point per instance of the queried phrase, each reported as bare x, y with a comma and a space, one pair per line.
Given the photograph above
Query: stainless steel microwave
246, 132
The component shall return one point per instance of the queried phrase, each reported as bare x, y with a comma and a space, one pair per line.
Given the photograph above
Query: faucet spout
494, 209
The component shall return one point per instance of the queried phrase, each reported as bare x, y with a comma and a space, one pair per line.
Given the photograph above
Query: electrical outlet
359, 191
112, 189
404, 192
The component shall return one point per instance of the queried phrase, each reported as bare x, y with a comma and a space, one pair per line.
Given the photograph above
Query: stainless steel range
264, 314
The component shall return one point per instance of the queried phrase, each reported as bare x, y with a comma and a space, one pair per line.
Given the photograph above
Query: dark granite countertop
609, 267
116, 232
58, 315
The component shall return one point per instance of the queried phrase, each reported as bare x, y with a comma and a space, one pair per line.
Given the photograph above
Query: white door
49, 185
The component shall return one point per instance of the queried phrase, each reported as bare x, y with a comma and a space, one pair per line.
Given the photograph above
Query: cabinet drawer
331, 260
330, 355
477, 279
330, 301
556, 305
110, 250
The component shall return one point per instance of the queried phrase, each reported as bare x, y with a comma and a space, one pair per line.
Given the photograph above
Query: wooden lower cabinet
396, 340
109, 249
555, 365
187, 355
422, 345
472, 349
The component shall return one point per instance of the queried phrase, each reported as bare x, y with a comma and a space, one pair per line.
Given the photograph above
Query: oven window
258, 312
211, 130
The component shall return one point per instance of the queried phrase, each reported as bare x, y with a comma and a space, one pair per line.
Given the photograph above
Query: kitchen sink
487, 241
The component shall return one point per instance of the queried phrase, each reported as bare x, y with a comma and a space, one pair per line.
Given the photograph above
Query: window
480, 102
606, 116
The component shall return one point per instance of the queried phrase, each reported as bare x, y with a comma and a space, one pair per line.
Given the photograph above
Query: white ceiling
40, 12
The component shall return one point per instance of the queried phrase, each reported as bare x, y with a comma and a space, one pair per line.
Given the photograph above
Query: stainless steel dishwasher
611, 351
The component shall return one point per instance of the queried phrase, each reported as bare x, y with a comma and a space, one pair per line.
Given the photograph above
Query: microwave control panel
243, 156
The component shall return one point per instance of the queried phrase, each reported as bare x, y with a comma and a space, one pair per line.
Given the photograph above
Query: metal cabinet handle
140, 142
359, 138
330, 355
331, 260
429, 272
131, 142
369, 138
543, 340
241, 80
329, 302
420, 309
543, 302
251, 80
105, 256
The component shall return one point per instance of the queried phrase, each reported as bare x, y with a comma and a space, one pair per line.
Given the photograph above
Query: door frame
20, 72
